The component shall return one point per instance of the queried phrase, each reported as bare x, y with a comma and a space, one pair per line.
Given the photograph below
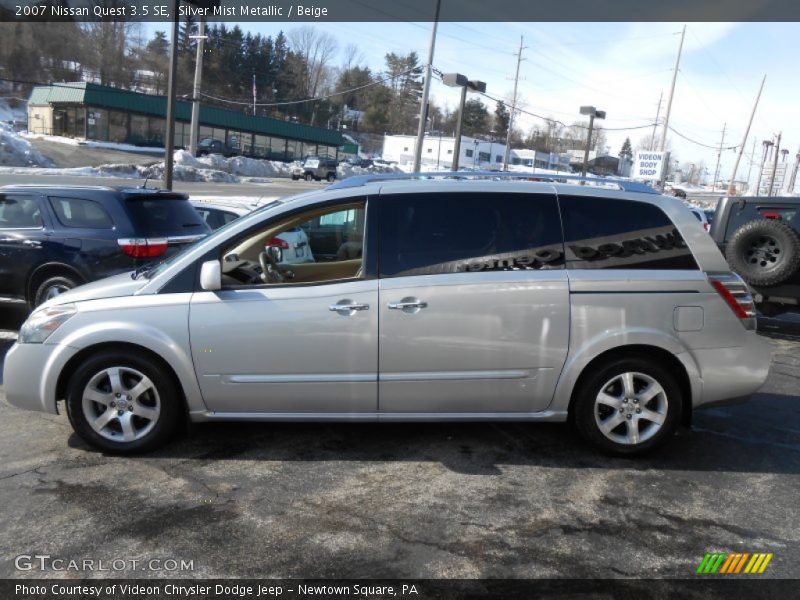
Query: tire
331, 177
295, 178
52, 287
641, 424
309, 177
764, 252
93, 393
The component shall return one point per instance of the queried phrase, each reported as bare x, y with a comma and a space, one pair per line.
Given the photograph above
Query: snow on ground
18, 152
93, 144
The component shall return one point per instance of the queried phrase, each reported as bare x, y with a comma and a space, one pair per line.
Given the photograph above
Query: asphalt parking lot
418, 500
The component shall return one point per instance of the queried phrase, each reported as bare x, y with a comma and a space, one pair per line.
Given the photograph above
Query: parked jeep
760, 237
315, 168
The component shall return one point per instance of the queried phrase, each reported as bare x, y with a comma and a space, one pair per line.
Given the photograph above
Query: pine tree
626, 151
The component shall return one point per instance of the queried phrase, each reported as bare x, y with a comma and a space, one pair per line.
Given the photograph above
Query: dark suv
760, 237
211, 146
54, 238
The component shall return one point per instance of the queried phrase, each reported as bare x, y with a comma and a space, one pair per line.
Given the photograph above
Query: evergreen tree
626, 151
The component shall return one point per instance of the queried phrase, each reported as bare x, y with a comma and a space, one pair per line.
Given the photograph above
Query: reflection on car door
24, 229
474, 303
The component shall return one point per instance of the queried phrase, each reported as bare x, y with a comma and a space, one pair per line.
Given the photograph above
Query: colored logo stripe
734, 563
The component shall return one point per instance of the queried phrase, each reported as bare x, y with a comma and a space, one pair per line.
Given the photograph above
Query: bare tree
317, 49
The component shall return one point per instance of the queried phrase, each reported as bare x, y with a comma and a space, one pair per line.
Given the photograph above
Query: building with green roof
95, 112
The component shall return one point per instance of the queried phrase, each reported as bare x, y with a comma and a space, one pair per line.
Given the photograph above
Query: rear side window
162, 217
19, 212
606, 233
80, 213
424, 234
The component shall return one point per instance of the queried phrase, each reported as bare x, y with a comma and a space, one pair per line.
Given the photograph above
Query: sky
621, 68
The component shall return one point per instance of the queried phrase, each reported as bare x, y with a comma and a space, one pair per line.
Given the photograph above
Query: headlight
42, 323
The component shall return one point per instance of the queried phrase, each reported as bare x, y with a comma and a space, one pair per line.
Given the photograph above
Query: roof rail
362, 180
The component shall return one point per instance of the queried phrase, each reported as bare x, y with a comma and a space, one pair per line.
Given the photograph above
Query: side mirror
275, 253
211, 276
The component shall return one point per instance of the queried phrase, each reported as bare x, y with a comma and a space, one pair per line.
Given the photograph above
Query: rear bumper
30, 375
731, 375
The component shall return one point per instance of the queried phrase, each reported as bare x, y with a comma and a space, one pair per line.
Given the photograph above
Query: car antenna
144, 185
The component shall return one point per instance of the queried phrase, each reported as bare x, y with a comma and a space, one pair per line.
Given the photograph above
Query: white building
437, 151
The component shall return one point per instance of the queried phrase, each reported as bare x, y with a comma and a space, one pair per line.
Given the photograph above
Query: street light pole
457, 144
198, 75
458, 80
592, 112
169, 142
513, 108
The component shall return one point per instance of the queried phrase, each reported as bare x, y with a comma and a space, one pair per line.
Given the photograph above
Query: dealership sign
648, 165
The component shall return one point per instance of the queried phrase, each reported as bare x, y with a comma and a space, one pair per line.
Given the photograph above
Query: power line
317, 99
688, 139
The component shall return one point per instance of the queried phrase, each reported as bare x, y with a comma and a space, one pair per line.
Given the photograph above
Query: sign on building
648, 165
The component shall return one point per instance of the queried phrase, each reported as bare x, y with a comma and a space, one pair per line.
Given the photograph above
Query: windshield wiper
144, 270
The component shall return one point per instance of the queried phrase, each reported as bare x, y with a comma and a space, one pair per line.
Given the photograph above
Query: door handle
347, 307
410, 305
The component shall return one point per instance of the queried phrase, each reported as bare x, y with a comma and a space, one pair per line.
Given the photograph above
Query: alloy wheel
630, 408
121, 404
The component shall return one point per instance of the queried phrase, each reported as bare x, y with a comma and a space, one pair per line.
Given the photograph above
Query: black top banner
322, 11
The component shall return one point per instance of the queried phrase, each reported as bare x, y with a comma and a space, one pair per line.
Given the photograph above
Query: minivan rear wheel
628, 406
122, 403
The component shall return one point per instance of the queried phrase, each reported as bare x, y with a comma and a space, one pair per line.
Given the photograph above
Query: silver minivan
431, 300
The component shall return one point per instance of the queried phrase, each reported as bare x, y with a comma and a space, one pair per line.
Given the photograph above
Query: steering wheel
269, 269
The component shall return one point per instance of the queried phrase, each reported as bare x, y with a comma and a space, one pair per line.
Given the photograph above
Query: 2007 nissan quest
428, 300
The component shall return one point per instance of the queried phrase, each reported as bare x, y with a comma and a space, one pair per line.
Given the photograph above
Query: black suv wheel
52, 287
764, 252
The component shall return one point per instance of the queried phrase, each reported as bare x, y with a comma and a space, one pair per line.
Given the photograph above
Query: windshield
164, 216
156, 268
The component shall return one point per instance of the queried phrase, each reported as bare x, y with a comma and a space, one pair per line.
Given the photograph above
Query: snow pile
237, 165
18, 152
7, 113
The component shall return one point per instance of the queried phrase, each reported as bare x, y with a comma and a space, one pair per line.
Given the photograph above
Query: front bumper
30, 375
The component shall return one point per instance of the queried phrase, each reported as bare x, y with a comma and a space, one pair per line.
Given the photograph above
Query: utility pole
426, 87
766, 144
655, 123
793, 179
750, 167
731, 185
775, 165
169, 142
255, 93
663, 143
198, 75
719, 156
513, 106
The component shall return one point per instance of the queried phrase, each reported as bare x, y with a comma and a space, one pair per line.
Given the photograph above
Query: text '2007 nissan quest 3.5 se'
433, 300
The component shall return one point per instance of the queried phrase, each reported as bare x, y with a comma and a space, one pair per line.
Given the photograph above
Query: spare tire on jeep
764, 252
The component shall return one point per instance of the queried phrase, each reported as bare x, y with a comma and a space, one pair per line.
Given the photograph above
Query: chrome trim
546, 415
301, 378
404, 305
461, 375
184, 239
346, 308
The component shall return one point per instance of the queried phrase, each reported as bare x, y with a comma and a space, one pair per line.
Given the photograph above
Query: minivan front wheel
123, 404
628, 406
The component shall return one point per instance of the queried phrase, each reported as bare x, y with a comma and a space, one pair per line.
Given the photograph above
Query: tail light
282, 244
143, 247
736, 295
707, 226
